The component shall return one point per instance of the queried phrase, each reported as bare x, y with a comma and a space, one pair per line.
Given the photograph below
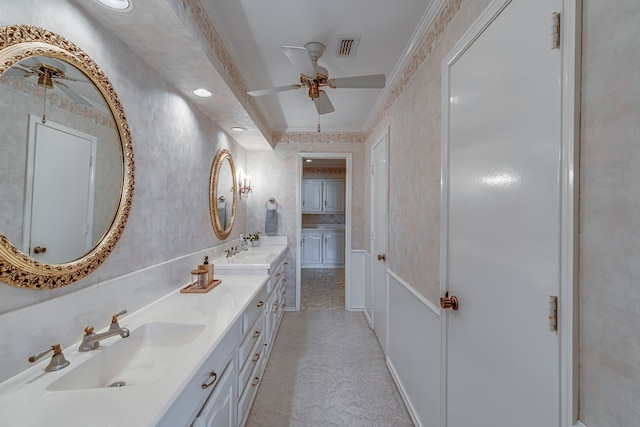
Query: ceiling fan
314, 77
50, 73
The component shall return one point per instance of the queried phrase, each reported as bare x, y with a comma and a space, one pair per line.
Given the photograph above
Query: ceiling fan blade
73, 94
323, 104
299, 56
261, 92
18, 71
373, 81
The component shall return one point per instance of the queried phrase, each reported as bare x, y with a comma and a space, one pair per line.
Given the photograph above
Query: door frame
571, 26
347, 221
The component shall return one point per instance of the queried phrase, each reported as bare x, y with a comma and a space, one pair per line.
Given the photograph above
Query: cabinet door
312, 195
311, 247
220, 409
334, 247
334, 196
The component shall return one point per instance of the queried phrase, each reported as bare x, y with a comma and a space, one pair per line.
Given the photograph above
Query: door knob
449, 302
39, 250
382, 257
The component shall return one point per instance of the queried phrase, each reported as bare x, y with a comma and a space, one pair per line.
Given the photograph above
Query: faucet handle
114, 319
57, 360
88, 330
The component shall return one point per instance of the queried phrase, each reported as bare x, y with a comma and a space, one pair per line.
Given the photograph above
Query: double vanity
189, 359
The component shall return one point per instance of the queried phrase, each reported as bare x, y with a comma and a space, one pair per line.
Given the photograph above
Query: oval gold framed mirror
223, 194
58, 114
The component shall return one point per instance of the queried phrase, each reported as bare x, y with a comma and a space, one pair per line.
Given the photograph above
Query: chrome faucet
91, 340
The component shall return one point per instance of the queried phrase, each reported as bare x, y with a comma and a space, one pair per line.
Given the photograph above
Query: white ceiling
253, 32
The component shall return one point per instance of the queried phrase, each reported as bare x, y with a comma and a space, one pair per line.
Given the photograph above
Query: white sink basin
140, 359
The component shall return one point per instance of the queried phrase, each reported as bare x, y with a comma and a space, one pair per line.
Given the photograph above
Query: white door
312, 200
379, 226
502, 255
333, 196
60, 188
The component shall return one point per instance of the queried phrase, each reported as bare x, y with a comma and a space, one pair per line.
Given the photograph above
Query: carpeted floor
327, 369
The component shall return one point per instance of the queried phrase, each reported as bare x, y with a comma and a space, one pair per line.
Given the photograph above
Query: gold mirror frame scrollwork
222, 233
18, 42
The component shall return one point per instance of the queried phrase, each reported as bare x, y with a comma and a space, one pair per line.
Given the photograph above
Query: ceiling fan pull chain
44, 107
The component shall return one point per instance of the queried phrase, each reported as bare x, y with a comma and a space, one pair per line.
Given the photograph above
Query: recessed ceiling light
238, 129
308, 160
119, 5
202, 92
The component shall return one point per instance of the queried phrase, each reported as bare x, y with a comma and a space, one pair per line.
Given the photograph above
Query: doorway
324, 231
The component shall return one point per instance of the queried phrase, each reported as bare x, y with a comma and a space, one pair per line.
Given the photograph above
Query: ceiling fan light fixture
117, 5
45, 80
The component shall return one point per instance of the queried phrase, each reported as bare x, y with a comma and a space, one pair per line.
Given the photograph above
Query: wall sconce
245, 186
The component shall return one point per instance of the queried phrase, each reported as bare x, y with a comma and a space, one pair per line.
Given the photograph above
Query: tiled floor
322, 289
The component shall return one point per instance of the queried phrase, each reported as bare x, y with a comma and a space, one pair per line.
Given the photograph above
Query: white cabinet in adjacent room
312, 247
322, 248
333, 252
323, 196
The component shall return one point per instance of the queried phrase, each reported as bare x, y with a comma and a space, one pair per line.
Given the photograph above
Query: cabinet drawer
193, 396
255, 335
219, 410
277, 275
255, 308
246, 399
249, 369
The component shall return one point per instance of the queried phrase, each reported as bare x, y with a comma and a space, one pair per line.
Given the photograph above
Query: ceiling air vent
347, 45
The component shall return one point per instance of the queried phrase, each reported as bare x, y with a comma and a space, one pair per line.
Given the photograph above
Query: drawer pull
256, 381
260, 304
215, 377
256, 357
256, 334
278, 274
277, 305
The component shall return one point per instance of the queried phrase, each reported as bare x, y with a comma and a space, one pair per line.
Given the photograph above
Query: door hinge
555, 30
90, 161
553, 313
373, 169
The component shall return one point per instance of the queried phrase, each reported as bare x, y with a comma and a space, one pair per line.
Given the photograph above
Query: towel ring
272, 201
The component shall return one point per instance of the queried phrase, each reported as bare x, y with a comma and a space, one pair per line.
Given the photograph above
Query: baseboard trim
403, 394
580, 424
415, 293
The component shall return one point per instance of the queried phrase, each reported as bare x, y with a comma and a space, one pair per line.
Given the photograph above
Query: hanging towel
222, 214
271, 222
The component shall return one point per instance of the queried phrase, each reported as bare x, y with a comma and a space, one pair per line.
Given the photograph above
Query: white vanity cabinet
220, 410
322, 248
210, 391
323, 196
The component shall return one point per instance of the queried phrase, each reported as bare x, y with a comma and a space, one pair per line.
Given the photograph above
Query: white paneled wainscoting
414, 350
414, 343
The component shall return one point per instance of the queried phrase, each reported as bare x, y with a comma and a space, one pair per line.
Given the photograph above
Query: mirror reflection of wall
73, 102
223, 194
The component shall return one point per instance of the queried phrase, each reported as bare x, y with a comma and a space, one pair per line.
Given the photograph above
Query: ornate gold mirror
67, 165
223, 194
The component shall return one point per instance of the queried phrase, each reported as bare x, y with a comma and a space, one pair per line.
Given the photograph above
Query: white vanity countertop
26, 399
259, 259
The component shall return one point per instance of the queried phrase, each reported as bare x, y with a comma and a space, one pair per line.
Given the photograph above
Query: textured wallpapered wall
174, 146
415, 140
610, 215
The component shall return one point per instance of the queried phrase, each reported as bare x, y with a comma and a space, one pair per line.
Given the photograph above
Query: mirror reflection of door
59, 192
